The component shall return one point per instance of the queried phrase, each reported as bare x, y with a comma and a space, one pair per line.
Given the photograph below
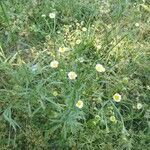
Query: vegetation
74, 74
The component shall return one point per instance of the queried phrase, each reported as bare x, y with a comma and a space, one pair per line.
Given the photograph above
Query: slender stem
118, 114
47, 24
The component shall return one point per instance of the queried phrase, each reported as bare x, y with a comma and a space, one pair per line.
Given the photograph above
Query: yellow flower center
116, 97
79, 104
62, 49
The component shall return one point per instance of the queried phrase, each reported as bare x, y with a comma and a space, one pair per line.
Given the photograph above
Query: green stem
118, 113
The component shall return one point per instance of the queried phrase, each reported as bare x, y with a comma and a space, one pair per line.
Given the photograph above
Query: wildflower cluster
74, 75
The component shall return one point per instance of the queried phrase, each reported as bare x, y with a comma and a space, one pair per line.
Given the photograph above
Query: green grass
38, 103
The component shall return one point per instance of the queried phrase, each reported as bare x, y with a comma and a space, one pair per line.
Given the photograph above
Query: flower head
43, 15
72, 75
78, 42
79, 104
113, 119
55, 93
148, 87
98, 47
54, 64
62, 49
97, 118
137, 24
84, 29
117, 97
139, 105
52, 15
81, 59
100, 68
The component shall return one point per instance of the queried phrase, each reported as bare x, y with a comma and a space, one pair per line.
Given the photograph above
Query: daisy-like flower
137, 24
81, 59
84, 29
125, 80
139, 106
113, 119
62, 49
79, 104
78, 42
94, 123
72, 75
117, 97
55, 93
97, 118
54, 64
148, 87
52, 15
100, 68
43, 15
98, 47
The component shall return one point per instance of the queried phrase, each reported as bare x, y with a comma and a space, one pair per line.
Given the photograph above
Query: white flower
82, 22
148, 87
55, 93
137, 24
54, 64
62, 49
81, 59
100, 68
98, 47
139, 105
84, 29
113, 119
117, 97
43, 15
52, 15
79, 104
72, 75
78, 42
